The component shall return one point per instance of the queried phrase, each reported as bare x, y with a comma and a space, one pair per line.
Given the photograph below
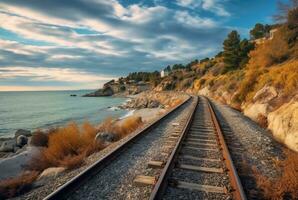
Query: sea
47, 109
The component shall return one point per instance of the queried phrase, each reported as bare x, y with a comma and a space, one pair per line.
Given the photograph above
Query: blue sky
80, 44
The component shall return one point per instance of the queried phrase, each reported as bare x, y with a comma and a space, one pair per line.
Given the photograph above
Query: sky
81, 44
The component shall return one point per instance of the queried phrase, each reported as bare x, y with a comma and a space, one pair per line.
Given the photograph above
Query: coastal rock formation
116, 87
106, 91
261, 104
22, 132
21, 141
8, 146
283, 123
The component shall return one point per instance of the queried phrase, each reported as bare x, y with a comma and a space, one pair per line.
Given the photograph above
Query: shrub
262, 121
284, 187
39, 139
67, 147
15, 186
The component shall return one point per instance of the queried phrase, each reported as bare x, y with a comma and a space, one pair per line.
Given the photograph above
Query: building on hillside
164, 73
268, 36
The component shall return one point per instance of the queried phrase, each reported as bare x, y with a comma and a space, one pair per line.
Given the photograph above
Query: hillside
258, 77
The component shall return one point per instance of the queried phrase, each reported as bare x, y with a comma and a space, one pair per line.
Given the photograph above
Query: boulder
266, 94
48, 173
283, 123
106, 137
52, 171
21, 140
8, 146
256, 109
22, 132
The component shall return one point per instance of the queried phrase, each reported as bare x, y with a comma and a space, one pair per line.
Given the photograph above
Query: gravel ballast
116, 180
250, 146
54, 183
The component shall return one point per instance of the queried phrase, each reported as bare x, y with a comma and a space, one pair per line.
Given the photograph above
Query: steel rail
63, 191
162, 182
237, 189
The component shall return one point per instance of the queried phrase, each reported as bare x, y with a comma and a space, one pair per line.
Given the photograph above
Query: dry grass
286, 186
67, 147
121, 128
15, 186
39, 139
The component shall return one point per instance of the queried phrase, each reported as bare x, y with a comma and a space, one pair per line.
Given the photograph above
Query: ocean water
39, 110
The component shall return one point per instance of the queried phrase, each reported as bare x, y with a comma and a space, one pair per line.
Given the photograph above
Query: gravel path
116, 180
250, 146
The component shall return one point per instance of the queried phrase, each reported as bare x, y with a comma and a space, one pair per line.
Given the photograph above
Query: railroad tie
198, 148
199, 158
199, 187
201, 169
199, 143
141, 180
156, 164
190, 139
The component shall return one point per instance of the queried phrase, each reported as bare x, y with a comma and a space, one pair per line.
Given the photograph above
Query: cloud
104, 37
214, 6
51, 74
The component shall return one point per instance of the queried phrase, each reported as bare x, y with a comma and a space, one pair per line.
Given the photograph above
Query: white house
164, 73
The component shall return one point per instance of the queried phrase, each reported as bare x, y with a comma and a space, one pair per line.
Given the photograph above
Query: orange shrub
284, 187
128, 125
67, 147
39, 139
18, 185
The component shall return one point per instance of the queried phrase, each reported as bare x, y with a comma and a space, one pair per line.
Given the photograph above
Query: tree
283, 10
245, 48
292, 26
259, 31
231, 51
168, 68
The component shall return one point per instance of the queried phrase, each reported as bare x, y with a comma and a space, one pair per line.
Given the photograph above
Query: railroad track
69, 189
200, 166
197, 166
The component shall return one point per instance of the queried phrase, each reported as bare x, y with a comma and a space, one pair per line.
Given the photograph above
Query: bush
16, 186
284, 187
67, 147
39, 139
262, 121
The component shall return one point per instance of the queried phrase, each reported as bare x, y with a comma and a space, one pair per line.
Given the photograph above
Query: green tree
245, 48
231, 51
259, 31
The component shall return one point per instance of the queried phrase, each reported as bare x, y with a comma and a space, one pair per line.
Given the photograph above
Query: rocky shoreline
18, 150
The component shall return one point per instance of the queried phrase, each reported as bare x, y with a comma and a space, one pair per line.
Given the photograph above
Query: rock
205, 92
106, 91
283, 123
256, 109
48, 173
22, 132
8, 146
21, 140
266, 94
106, 137
52, 171
153, 104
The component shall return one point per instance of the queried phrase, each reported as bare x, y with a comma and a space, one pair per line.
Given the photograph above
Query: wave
129, 113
